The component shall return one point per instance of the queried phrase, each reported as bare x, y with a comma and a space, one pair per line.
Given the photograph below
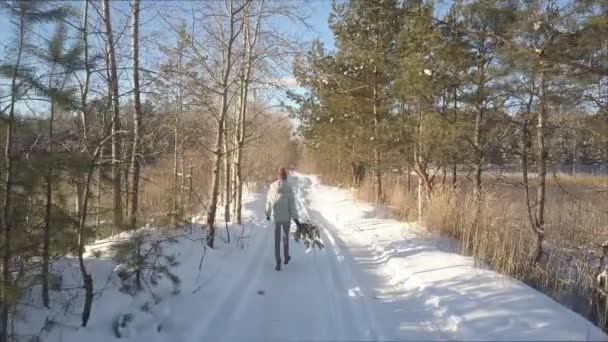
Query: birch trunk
175, 173
238, 201
542, 167
249, 42
137, 119
217, 159
113, 89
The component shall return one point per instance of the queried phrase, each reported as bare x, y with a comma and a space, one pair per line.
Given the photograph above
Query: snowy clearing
376, 279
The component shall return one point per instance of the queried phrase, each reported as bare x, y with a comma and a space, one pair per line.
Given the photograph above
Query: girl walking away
281, 205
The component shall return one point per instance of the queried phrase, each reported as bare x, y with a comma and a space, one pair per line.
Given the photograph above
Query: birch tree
224, 81
251, 31
115, 104
137, 114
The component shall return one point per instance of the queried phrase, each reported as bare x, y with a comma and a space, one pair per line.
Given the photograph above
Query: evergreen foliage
143, 263
309, 234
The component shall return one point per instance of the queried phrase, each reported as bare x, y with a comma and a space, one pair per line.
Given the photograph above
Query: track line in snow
227, 296
375, 280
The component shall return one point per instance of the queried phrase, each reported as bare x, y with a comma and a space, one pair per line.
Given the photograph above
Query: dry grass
582, 180
402, 202
158, 190
496, 231
500, 237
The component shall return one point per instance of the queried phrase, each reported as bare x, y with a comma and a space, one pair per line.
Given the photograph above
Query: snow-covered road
377, 279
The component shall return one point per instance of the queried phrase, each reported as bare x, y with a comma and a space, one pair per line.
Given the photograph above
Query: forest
482, 121
97, 141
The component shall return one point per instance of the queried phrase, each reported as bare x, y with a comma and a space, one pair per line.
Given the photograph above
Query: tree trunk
182, 185
226, 69
238, 176
525, 168
455, 159
542, 167
98, 193
409, 179
478, 142
113, 88
454, 174
222, 176
84, 189
233, 180
48, 214
227, 176
190, 187
420, 199
574, 152
249, 42
87, 280
137, 115
530, 207
378, 174
8, 188
127, 152
215, 183
420, 167
175, 208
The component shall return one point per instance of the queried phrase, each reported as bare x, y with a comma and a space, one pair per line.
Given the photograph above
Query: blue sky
319, 21
155, 29
154, 26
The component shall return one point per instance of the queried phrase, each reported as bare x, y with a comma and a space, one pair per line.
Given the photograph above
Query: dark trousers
278, 227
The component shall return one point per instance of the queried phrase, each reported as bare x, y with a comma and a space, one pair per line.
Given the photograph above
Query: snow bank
453, 298
376, 279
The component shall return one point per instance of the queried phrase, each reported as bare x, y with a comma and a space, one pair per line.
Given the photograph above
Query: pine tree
481, 20
22, 15
366, 39
425, 86
348, 106
63, 61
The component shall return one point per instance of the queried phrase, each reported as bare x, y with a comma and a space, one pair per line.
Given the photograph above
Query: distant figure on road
281, 204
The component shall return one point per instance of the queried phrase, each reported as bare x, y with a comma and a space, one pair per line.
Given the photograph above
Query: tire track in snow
252, 284
431, 328
337, 327
225, 302
367, 311
269, 316
354, 304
